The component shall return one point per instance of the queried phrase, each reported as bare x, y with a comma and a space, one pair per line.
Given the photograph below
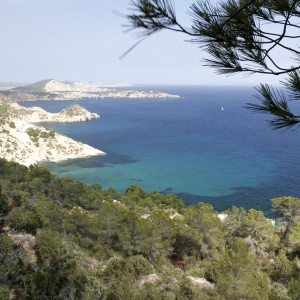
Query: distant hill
39, 86
52, 85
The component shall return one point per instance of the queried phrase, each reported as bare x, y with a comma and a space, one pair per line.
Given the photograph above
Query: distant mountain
34, 87
52, 85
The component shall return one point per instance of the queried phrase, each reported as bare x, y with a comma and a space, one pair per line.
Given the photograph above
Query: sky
83, 40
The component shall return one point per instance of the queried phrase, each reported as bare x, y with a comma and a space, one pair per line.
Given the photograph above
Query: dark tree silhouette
239, 36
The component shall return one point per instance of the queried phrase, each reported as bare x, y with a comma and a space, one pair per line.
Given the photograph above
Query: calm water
187, 146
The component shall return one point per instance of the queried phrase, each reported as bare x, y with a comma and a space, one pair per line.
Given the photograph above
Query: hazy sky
83, 40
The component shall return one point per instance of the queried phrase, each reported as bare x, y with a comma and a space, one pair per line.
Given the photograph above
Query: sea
204, 146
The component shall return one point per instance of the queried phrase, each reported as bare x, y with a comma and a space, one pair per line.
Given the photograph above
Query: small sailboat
222, 108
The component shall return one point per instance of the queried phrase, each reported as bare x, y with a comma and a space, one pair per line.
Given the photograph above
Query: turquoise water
187, 146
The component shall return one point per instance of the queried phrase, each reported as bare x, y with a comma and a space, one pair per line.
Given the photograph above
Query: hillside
51, 89
51, 85
62, 239
72, 113
27, 144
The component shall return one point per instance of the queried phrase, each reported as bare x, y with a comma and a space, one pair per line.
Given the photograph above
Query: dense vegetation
62, 239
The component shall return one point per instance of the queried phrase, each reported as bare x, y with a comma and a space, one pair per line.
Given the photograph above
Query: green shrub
33, 132
12, 124
52, 133
21, 218
4, 292
44, 134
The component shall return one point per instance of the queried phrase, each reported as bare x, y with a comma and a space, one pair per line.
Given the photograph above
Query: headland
23, 142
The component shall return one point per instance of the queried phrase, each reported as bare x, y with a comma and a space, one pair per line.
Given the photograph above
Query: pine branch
274, 104
238, 38
293, 85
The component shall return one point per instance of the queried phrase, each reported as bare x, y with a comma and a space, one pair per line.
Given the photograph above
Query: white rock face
19, 147
147, 278
72, 113
57, 90
57, 86
201, 282
52, 85
138, 94
27, 144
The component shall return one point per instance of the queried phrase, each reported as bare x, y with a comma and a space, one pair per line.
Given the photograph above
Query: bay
186, 146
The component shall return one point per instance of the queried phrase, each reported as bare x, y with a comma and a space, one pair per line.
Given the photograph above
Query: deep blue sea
186, 146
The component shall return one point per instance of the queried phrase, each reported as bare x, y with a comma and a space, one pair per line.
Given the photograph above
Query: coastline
10, 96
25, 143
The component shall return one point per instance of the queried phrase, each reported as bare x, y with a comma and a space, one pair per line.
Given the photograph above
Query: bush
12, 124
4, 292
33, 133
52, 133
21, 218
44, 134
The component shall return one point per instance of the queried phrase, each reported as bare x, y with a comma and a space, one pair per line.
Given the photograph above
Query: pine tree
240, 36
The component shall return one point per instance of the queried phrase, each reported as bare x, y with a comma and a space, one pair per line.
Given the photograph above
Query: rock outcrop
51, 89
201, 282
72, 113
138, 94
25, 143
51, 85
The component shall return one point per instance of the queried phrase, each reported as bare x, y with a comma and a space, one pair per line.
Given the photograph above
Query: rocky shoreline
23, 142
22, 96
51, 89
72, 113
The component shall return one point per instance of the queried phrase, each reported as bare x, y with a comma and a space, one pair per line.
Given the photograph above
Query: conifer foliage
62, 239
239, 36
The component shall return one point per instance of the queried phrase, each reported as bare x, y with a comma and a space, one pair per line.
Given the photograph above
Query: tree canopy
62, 239
240, 36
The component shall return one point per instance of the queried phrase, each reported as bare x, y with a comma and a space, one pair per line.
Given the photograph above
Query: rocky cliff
51, 85
25, 143
72, 113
